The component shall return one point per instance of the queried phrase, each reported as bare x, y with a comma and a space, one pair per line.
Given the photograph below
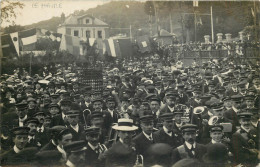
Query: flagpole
212, 30
30, 64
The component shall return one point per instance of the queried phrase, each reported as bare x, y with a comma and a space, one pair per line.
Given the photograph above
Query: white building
85, 26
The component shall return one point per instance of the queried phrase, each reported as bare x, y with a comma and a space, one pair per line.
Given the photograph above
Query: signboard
91, 77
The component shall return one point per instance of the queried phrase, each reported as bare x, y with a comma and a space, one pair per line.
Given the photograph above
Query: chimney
62, 18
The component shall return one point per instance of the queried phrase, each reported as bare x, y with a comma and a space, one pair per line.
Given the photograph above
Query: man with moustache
61, 119
20, 139
42, 132
74, 126
76, 151
32, 123
166, 134
123, 152
245, 141
170, 98
145, 139
190, 148
94, 148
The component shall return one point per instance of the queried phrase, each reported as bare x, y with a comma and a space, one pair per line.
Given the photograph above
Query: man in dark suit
94, 148
76, 153
12, 119
42, 132
32, 123
74, 126
177, 124
53, 143
170, 98
183, 97
97, 107
166, 135
61, 119
111, 106
20, 139
245, 141
190, 148
122, 153
145, 139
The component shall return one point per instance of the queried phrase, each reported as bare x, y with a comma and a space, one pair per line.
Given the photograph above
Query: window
99, 34
87, 21
87, 34
76, 33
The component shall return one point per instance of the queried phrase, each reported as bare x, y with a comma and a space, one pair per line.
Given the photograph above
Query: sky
38, 10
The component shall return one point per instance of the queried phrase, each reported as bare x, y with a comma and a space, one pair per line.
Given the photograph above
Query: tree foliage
8, 10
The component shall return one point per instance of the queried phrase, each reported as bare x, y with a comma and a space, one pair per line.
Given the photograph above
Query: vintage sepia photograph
129, 83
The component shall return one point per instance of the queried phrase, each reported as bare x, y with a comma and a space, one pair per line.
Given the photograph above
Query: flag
7, 46
51, 37
112, 47
15, 39
195, 3
143, 43
253, 13
125, 48
28, 39
71, 44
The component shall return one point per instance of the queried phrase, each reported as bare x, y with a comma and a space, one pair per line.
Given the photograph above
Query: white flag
14, 37
195, 3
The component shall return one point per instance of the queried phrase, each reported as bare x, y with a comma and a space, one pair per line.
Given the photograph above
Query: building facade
85, 26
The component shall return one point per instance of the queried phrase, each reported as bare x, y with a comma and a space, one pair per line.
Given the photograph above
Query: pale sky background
38, 10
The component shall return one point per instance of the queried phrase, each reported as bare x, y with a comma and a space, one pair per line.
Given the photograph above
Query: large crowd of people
142, 115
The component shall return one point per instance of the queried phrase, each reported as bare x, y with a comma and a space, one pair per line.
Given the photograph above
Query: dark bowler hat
49, 157
54, 96
92, 130
96, 115
178, 112
236, 98
21, 131
110, 98
31, 99
189, 128
217, 106
171, 94
39, 113
214, 128
226, 98
65, 102
166, 116
75, 146
250, 97
97, 99
76, 96
245, 115
216, 153
31, 120
155, 99
146, 118
55, 130
73, 113
54, 105
21, 106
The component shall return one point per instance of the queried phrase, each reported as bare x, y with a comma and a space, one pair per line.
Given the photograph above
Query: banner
71, 44
28, 39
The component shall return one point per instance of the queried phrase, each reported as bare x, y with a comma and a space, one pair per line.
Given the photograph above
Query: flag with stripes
143, 43
70, 44
28, 39
15, 40
120, 47
7, 46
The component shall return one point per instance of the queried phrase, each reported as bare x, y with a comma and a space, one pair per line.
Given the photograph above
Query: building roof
73, 19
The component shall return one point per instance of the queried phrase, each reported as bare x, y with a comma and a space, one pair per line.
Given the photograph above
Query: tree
8, 10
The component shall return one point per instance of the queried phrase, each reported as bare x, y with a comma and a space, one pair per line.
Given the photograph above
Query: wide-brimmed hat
216, 153
125, 124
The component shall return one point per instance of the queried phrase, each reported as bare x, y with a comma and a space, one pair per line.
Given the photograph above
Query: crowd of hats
137, 86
